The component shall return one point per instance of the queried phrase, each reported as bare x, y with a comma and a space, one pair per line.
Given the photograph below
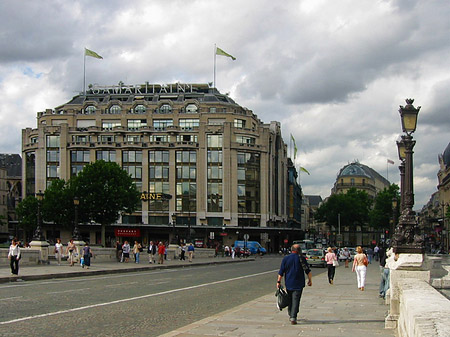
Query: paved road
141, 303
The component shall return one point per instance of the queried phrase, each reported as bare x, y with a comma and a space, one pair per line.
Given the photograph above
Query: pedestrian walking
330, 257
370, 254
233, 252
118, 251
14, 256
58, 251
360, 263
376, 252
137, 248
87, 254
161, 250
191, 252
385, 273
151, 250
345, 255
182, 252
227, 250
293, 268
126, 251
71, 252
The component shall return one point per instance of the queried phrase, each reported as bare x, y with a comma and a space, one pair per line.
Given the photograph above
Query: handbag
365, 261
282, 298
335, 263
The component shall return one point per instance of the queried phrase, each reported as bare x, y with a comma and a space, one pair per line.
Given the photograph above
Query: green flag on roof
223, 53
91, 53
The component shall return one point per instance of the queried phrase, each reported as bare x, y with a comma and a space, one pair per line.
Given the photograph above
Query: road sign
246, 236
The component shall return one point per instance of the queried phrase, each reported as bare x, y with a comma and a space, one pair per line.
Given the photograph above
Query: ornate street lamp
76, 234
394, 216
402, 156
406, 238
38, 232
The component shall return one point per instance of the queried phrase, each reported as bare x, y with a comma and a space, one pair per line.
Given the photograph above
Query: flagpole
387, 170
84, 74
214, 81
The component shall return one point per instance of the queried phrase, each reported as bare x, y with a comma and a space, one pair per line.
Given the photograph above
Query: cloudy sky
332, 72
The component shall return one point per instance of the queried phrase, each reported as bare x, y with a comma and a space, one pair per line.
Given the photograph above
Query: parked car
316, 257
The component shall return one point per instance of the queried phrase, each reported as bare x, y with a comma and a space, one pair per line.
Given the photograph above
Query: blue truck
252, 246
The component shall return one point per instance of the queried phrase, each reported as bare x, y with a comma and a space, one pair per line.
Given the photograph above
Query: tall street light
174, 221
402, 156
407, 238
76, 232
38, 232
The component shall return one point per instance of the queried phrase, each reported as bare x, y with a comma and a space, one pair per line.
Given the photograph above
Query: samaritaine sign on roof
175, 88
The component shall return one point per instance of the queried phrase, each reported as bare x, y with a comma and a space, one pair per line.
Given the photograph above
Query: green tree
352, 208
382, 212
27, 215
105, 190
58, 205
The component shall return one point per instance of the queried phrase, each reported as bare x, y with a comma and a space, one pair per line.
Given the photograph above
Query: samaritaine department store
225, 170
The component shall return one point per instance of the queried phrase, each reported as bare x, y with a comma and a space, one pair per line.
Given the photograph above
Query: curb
112, 271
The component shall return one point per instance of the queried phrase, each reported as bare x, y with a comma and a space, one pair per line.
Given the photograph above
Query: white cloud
333, 73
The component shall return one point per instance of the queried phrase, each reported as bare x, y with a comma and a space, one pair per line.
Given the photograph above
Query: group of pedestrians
294, 267
72, 253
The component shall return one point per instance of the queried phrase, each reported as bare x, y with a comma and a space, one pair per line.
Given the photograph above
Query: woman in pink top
329, 258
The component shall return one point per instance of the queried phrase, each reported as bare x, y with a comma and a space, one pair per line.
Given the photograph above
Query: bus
305, 245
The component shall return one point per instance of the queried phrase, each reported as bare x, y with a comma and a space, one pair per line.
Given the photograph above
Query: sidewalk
325, 310
52, 270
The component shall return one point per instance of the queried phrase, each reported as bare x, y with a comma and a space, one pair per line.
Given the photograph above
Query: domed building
444, 175
361, 177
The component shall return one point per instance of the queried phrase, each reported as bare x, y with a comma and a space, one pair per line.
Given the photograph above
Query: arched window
90, 110
191, 108
165, 109
140, 109
115, 109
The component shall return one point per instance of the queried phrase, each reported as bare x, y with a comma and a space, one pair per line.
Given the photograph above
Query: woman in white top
58, 251
14, 257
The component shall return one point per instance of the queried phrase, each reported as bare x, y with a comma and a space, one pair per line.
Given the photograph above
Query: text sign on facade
145, 196
127, 232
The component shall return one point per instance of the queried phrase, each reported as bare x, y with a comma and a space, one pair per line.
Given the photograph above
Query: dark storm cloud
438, 114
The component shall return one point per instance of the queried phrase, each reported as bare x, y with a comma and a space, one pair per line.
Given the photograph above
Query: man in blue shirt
293, 268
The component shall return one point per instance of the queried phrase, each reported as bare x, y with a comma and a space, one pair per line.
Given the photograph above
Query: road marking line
66, 291
10, 298
131, 299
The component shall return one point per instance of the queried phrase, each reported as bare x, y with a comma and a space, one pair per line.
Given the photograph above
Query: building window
187, 138
188, 124
139, 109
245, 140
248, 182
164, 109
161, 124
81, 139
109, 125
214, 173
79, 156
239, 123
352, 181
133, 139
115, 109
159, 138
186, 177
30, 173
191, 108
90, 110
132, 164
158, 178
107, 139
53, 141
134, 124
53, 156
106, 155
212, 110
34, 140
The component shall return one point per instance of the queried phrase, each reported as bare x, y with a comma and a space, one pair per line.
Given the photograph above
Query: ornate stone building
225, 169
